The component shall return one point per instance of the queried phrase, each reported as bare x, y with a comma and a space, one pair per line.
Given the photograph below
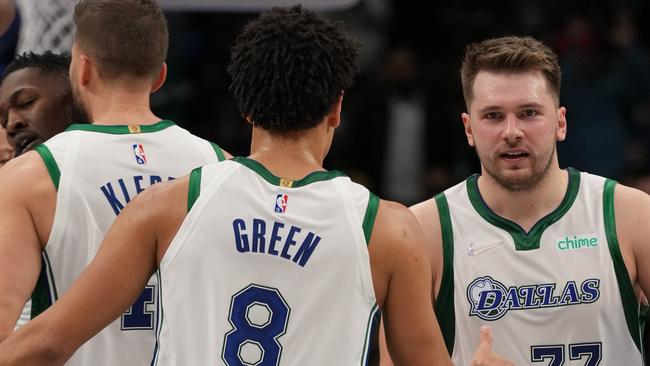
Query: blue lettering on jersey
281, 241
128, 188
490, 300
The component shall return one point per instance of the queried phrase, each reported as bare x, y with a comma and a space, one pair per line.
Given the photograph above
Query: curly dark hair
289, 67
49, 63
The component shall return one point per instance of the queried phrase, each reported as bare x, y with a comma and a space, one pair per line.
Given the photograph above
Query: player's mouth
25, 141
514, 155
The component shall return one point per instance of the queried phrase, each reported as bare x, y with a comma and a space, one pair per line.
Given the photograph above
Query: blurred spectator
46, 25
605, 72
9, 26
394, 134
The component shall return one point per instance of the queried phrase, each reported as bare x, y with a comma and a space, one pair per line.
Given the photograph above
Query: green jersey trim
444, 304
194, 187
370, 342
44, 294
122, 129
369, 217
286, 183
217, 149
628, 297
524, 240
50, 164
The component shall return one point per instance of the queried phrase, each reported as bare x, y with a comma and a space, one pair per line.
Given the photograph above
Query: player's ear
334, 115
560, 133
86, 70
160, 79
468, 129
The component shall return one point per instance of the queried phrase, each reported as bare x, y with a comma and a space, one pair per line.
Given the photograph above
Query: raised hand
484, 355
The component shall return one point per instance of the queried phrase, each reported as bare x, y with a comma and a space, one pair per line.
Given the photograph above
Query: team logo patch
138, 152
490, 299
281, 203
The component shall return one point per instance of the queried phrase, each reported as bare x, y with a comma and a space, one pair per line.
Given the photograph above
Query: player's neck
119, 107
526, 207
292, 155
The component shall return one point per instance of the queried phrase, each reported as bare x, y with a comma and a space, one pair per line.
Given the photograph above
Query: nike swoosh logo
476, 250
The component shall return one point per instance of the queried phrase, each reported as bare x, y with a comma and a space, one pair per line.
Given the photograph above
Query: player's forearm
35, 350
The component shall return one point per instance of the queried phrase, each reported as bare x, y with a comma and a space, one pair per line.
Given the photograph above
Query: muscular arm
27, 201
632, 210
401, 274
428, 217
127, 258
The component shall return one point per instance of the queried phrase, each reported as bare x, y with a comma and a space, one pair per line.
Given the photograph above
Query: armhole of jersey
628, 297
50, 164
194, 187
371, 341
220, 155
369, 217
44, 294
444, 306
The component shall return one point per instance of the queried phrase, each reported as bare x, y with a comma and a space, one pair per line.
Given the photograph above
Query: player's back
97, 170
269, 270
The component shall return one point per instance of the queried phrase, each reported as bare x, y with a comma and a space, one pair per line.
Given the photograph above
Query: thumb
486, 339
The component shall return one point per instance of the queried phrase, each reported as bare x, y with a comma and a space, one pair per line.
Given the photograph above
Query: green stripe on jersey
194, 187
524, 240
122, 129
372, 329
369, 217
217, 149
444, 306
50, 164
628, 297
286, 183
45, 293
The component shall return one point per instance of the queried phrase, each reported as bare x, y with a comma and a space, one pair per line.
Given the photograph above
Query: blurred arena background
401, 135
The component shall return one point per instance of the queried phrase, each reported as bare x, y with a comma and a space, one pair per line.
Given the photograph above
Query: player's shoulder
26, 168
395, 225
26, 179
425, 210
631, 202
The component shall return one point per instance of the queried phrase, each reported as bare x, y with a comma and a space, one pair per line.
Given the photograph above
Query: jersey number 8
259, 316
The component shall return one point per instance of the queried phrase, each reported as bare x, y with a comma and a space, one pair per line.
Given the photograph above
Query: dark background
413, 52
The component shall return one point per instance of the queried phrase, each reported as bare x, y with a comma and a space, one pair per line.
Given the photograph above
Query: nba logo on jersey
138, 151
281, 203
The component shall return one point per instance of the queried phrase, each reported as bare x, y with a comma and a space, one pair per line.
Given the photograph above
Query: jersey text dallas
489, 299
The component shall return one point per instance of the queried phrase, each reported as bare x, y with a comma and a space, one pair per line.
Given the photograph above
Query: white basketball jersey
557, 295
267, 271
97, 170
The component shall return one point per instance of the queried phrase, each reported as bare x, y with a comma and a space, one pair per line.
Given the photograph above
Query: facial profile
514, 123
34, 106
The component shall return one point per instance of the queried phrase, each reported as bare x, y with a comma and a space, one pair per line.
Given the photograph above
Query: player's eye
493, 115
26, 102
528, 113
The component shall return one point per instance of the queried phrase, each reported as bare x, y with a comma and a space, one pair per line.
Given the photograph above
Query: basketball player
547, 257
35, 104
58, 201
268, 259
35, 99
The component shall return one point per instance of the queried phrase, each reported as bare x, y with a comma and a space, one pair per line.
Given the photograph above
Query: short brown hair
509, 54
125, 37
